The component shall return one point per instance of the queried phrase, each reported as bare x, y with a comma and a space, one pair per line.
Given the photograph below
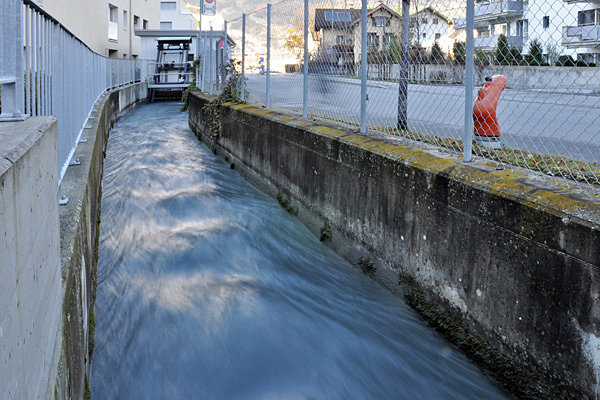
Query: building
175, 14
112, 35
563, 27
584, 34
428, 26
340, 32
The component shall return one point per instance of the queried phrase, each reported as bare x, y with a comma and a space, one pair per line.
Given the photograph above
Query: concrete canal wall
514, 254
47, 262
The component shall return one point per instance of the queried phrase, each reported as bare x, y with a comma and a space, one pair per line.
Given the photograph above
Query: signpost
209, 7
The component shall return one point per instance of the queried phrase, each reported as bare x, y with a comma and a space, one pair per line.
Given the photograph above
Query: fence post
305, 88
210, 65
243, 83
268, 101
363, 68
404, 65
468, 137
11, 61
204, 40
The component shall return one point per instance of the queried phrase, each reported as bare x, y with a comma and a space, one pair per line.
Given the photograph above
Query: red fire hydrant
485, 122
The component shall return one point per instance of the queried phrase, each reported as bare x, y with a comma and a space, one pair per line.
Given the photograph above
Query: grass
553, 165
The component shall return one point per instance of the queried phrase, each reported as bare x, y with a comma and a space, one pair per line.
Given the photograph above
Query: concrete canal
208, 289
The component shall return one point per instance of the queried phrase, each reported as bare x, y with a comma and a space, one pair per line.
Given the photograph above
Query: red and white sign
209, 7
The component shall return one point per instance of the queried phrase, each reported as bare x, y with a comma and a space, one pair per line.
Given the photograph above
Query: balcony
498, 10
113, 31
581, 36
490, 42
488, 11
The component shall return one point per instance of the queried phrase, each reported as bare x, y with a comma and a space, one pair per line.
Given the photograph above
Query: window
125, 21
168, 6
340, 39
145, 25
136, 22
437, 36
546, 22
113, 13
381, 21
585, 57
389, 38
113, 23
587, 17
167, 25
372, 40
435, 21
424, 35
424, 21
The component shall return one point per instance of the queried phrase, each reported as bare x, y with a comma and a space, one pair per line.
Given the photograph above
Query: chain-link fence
533, 100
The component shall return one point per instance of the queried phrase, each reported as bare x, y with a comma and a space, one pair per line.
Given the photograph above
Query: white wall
30, 279
89, 21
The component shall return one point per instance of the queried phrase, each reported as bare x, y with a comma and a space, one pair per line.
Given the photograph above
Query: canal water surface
208, 289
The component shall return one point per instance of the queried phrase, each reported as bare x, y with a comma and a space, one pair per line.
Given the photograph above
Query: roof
335, 18
432, 10
341, 18
166, 34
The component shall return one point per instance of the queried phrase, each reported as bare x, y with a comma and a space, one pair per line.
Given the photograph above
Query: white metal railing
46, 70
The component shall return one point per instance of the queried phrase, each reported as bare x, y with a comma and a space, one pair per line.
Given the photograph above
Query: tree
460, 52
294, 41
502, 53
536, 52
553, 53
437, 56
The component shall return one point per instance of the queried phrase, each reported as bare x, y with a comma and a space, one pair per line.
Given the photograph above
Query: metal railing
402, 68
46, 70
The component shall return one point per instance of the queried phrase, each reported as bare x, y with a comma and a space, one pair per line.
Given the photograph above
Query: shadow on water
207, 289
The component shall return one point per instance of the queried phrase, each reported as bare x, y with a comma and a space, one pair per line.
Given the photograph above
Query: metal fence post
402, 123
363, 68
225, 44
268, 101
204, 40
468, 137
210, 65
305, 88
243, 83
11, 61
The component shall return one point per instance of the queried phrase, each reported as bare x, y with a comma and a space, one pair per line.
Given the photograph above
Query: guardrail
46, 70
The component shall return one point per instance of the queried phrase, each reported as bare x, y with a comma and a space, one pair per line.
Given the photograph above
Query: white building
175, 14
106, 26
428, 26
583, 34
563, 27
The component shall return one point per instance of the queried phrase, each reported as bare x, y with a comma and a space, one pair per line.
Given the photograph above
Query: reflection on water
207, 289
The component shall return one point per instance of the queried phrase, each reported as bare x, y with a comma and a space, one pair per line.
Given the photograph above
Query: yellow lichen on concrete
515, 184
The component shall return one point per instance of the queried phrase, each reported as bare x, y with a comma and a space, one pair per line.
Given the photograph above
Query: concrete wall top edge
17, 138
570, 201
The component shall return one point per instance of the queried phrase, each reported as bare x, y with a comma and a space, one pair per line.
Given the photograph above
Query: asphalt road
546, 122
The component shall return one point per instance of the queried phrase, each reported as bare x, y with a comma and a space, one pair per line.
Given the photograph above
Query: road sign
209, 7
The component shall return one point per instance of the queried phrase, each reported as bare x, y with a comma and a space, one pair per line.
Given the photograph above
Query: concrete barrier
47, 263
514, 254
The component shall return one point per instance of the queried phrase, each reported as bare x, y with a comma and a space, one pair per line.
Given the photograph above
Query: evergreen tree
536, 52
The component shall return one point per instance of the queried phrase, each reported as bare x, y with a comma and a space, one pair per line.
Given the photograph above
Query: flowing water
208, 289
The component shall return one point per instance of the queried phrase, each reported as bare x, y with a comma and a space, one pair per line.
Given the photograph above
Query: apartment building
106, 26
563, 27
584, 34
175, 14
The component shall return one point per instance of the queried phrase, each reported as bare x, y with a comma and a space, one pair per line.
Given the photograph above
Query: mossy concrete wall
516, 255
47, 262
